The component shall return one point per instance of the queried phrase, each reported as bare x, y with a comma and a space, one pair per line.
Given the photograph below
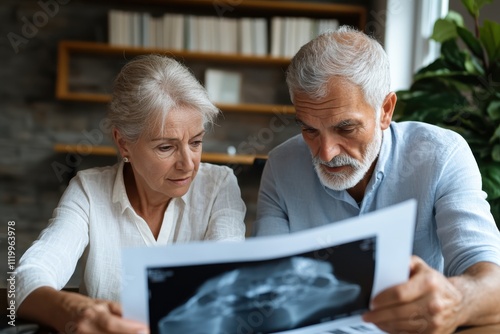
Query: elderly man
352, 159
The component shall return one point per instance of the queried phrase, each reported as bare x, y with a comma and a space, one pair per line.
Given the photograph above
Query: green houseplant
461, 91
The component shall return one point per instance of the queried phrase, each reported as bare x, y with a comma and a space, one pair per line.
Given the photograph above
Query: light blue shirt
454, 227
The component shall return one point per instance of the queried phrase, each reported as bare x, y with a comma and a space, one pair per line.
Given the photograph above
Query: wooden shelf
77, 149
107, 49
243, 108
350, 14
68, 47
257, 108
218, 158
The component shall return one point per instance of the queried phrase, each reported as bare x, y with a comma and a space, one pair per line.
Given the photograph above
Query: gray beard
358, 169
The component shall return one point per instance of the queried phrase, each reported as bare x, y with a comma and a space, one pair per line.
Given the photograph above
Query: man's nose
329, 148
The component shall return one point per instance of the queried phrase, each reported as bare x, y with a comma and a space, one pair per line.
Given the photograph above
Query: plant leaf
460, 91
493, 110
455, 17
471, 41
469, 66
452, 54
495, 153
479, 67
438, 64
445, 29
460, 79
495, 76
474, 6
490, 173
495, 210
496, 135
490, 37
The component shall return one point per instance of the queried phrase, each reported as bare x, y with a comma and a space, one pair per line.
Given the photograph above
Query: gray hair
147, 88
345, 53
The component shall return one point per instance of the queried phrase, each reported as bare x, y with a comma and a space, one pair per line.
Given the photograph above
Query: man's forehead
327, 121
328, 102
334, 99
323, 112
341, 102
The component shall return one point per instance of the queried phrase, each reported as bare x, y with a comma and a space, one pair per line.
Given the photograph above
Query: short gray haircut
347, 54
150, 86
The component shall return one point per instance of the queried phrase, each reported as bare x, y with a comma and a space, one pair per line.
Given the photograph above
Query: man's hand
427, 303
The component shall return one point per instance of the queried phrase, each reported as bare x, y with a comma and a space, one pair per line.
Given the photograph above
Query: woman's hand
70, 312
102, 316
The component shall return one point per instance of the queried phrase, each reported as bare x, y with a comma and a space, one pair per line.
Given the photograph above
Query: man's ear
121, 143
388, 110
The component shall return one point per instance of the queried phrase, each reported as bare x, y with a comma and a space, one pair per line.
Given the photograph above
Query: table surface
33, 329
489, 329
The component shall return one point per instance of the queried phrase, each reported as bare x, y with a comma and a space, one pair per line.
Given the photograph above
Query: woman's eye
197, 143
165, 148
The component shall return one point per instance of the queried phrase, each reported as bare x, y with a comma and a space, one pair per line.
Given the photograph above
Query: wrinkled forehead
177, 121
340, 97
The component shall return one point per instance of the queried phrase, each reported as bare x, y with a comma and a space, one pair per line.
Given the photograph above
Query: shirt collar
385, 152
119, 192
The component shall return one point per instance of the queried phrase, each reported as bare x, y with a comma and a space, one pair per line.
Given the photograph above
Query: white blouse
95, 219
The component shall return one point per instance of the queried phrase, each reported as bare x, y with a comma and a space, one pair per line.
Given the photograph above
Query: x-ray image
263, 297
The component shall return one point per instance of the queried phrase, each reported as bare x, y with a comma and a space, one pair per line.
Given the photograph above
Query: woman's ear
388, 110
121, 143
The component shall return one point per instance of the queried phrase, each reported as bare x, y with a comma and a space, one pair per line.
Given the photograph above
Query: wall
31, 119
489, 12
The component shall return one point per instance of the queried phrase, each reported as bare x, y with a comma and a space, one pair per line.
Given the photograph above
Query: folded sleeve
465, 226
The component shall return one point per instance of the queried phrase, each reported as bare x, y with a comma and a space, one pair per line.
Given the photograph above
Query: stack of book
246, 36
143, 30
288, 34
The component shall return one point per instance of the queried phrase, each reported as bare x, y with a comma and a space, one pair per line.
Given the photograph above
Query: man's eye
347, 130
309, 130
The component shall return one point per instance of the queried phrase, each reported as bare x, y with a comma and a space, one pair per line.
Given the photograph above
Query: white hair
147, 88
346, 54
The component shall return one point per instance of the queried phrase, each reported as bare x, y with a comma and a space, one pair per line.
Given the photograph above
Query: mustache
338, 161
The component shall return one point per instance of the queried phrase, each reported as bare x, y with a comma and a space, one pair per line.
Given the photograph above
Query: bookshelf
265, 96
67, 49
354, 15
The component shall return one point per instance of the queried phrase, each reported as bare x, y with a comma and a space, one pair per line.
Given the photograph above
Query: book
223, 86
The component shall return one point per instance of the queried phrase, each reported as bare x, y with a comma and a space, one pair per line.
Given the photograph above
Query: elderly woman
158, 194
